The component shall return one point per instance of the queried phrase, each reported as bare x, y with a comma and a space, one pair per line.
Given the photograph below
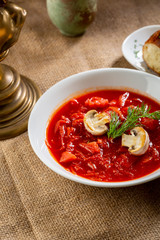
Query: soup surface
101, 158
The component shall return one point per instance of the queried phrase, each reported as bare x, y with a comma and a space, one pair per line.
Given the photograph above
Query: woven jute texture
38, 204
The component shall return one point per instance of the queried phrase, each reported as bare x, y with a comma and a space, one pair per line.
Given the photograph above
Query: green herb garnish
136, 53
117, 128
114, 124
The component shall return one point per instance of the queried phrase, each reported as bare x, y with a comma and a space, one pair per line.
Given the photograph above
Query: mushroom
138, 141
94, 122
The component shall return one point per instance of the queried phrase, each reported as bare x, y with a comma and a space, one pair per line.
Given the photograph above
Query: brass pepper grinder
18, 94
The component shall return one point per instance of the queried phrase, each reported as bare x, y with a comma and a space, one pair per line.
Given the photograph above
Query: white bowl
70, 87
132, 47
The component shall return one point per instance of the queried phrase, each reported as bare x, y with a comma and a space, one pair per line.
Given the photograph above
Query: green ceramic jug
72, 17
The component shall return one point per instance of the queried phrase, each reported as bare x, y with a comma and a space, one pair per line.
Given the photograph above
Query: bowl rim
72, 176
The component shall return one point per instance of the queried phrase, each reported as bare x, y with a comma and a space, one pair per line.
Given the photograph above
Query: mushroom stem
137, 142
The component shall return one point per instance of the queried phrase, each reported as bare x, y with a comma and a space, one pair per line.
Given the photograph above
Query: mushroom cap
138, 141
95, 122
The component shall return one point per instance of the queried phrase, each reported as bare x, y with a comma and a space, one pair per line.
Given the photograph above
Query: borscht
106, 135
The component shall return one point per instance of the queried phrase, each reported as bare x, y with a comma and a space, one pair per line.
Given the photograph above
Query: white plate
70, 87
132, 47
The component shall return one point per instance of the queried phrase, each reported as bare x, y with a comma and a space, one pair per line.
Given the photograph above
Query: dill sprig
117, 128
114, 124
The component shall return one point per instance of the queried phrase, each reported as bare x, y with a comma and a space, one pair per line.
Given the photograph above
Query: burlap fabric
36, 203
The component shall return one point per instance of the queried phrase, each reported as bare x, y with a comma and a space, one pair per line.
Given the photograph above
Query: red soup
103, 157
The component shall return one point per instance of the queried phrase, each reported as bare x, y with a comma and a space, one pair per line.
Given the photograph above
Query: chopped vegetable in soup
106, 135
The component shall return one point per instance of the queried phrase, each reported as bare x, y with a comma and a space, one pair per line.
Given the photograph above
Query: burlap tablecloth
36, 203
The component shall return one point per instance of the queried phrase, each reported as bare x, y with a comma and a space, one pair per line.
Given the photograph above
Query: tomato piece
96, 102
80, 155
92, 165
67, 157
149, 123
123, 98
70, 147
134, 101
62, 121
91, 147
77, 123
76, 169
117, 110
70, 131
103, 143
124, 110
77, 115
74, 102
113, 103
62, 132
